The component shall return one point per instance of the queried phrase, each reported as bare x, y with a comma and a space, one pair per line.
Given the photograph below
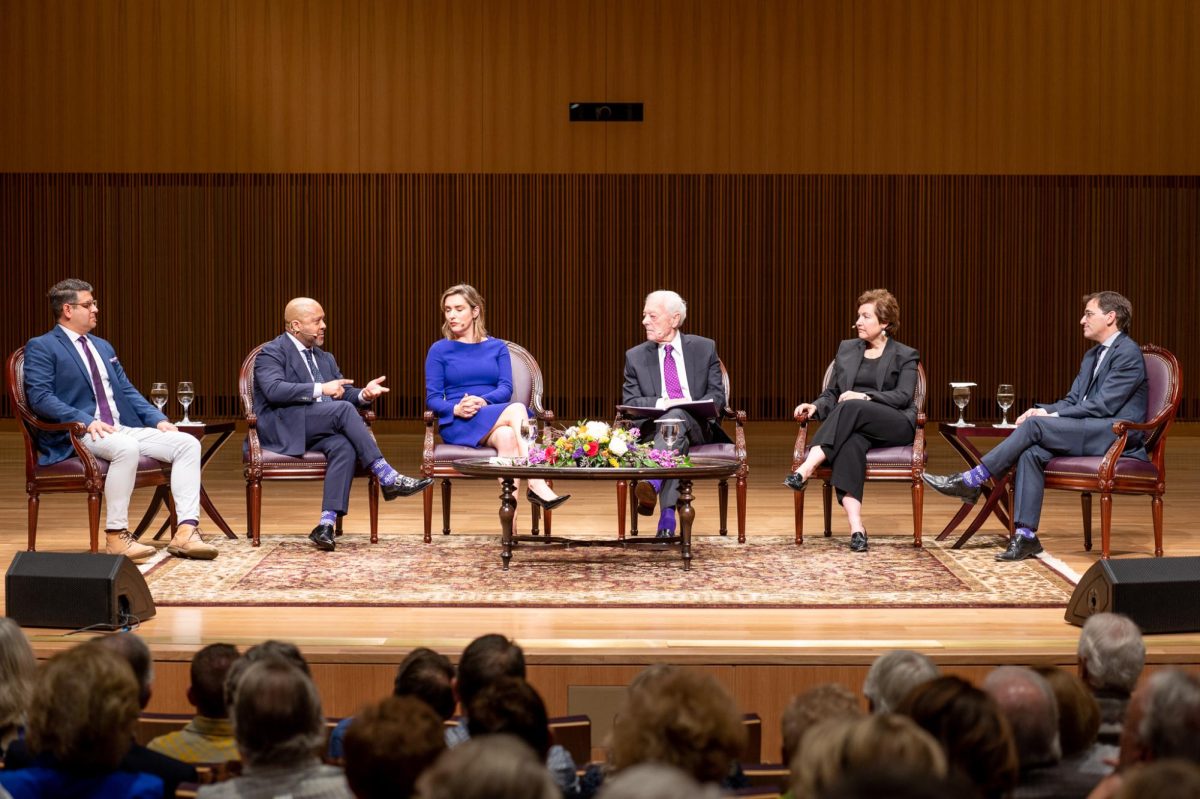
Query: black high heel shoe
795, 482
545, 504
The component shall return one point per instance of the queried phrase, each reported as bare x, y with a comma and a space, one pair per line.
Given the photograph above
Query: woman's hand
852, 395
468, 406
805, 407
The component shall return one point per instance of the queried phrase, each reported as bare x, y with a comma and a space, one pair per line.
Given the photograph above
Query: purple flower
578, 453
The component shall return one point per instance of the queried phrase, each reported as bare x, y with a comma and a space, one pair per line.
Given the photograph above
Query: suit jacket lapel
885, 365
296, 362
650, 364
697, 379
1094, 375
76, 355
851, 367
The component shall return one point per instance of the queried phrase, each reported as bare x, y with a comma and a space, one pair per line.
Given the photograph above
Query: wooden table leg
156, 502
508, 509
993, 504
686, 514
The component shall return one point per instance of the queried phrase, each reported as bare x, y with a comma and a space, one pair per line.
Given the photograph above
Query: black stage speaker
73, 590
1162, 595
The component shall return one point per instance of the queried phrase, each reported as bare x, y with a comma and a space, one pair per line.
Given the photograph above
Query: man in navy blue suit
304, 403
1111, 386
72, 376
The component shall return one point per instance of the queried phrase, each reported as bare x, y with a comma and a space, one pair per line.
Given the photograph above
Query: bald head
304, 318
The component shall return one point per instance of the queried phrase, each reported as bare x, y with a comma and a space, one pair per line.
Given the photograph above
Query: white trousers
122, 449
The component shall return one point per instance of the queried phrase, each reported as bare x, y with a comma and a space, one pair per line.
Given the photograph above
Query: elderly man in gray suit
669, 367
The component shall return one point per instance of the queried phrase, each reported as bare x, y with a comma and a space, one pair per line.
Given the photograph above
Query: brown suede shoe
123, 543
191, 545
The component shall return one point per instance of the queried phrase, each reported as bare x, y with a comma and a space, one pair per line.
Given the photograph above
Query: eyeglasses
91, 305
1090, 314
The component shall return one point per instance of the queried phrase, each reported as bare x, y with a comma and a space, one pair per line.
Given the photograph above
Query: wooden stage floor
763, 655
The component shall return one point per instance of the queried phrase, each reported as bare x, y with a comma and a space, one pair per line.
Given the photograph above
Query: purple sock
657, 486
976, 477
386, 474
329, 517
1025, 532
192, 522
666, 519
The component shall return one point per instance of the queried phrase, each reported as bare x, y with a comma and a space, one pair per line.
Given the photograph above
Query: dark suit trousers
337, 431
690, 431
852, 428
1033, 444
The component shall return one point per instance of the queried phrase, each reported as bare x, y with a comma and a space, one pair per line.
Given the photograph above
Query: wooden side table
222, 431
995, 490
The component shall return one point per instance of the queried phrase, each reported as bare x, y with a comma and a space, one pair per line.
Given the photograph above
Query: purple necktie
97, 383
671, 375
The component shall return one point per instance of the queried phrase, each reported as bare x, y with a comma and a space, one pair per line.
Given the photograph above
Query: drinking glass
1005, 397
185, 394
529, 432
670, 431
158, 395
962, 395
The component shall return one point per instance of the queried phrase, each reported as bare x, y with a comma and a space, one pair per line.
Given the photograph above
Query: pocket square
113, 359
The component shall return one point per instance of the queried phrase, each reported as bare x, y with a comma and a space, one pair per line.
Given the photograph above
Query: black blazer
896, 377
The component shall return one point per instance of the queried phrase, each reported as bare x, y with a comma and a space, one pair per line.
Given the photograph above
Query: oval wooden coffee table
701, 469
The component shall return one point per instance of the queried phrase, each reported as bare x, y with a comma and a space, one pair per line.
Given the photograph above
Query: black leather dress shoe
952, 485
665, 534
795, 482
545, 504
405, 487
322, 536
858, 542
647, 498
1020, 548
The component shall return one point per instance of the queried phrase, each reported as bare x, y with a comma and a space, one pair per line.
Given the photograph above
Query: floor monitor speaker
1162, 595
73, 590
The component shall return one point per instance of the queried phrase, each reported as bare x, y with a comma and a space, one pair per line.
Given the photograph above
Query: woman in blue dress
468, 384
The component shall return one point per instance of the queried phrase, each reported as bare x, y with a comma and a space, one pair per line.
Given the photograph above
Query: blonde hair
17, 670
474, 299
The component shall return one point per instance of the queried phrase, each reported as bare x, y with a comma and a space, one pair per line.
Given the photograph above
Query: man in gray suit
1111, 386
671, 366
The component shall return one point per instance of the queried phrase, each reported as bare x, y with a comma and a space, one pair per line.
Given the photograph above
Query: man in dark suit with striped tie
304, 403
1111, 386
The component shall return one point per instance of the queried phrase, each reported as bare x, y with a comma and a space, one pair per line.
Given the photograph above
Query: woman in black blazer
869, 403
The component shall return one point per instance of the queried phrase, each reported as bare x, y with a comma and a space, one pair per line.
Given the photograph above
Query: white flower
617, 446
596, 430
571, 432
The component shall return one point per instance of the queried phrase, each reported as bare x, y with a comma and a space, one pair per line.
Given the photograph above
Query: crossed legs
505, 437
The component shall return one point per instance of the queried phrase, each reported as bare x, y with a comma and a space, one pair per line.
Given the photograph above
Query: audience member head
683, 718
389, 745
83, 708
893, 675
1163, 779
1078, 712
899, 785
838, 748
459, 300
1163, 720
1111, 653
210, 667
281, 651
971, 729
429, 676
1028, 702
277, 715
887, 308
655, 781
485, 660
829, 701
511, 705
17, 670
491, 767
137, 655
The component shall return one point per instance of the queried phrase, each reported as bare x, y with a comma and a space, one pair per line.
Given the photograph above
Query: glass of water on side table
962, 395
529, 432
185, 394
1005, 397
158, 395
670, 431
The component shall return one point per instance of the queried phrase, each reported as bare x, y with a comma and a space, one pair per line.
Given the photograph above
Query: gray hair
669, 300
488, 767
17, 669
277, 719
1170, 723
137, 655
1112, 652
655, 781
893, 675
65, 292
1028, 702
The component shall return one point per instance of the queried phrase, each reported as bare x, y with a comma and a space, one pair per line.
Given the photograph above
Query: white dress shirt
677, 354
318, 395
104, 378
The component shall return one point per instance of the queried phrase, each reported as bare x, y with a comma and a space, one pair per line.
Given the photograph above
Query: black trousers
336, 430
852, 428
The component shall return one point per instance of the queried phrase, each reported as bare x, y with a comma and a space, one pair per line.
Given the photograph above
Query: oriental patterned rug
465, 571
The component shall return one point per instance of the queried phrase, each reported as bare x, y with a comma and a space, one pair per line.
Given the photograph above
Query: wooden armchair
437, 459
262, 464
627, 495
83, 473
1113, 474
888, 464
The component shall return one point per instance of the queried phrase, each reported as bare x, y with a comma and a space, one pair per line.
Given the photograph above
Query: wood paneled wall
194, 270
730, 86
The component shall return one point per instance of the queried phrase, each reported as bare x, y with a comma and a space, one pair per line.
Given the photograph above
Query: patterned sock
657, 486
666, 519
383, 470
1025, 532
975, 477
329, 517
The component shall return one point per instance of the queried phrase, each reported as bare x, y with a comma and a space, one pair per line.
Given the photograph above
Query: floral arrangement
597, 445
